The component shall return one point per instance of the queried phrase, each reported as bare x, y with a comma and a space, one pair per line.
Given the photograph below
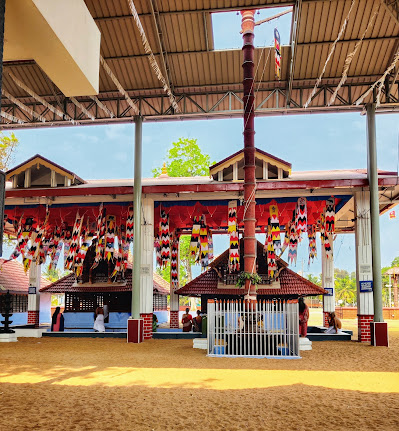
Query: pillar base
174, 320
147, 318
135, 330
363, 326
325, 318
33, 318
379, 334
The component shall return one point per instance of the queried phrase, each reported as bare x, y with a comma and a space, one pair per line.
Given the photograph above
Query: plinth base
379, 334
8, 338
305, 343
135, 330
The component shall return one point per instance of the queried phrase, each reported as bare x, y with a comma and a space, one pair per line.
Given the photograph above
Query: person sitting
99, 322
187, 321
303, 317
197, 322
57, 321
154, 322
334, 324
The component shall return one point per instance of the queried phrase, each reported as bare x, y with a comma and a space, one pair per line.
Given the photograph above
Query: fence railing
257, 329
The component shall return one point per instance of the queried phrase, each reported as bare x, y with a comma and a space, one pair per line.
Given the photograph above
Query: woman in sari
57, 321
187, 321
303, 317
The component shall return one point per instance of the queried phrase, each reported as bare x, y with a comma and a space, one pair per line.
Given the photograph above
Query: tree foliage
54, 274
7, 147
185, 159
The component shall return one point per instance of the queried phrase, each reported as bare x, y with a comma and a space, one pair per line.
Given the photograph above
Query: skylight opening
226, 28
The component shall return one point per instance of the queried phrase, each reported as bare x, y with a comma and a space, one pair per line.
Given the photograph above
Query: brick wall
174, 320
33, 318
325, 320
351, 313
147, 317
363, 326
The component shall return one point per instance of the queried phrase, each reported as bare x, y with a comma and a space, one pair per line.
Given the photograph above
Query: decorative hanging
271, 256
36, 239
20, 241
54, 246
277, 60
109, 238
330, 215
301, 215
194, 242
327, 246
165, 238
81, 254
67, 237
174, 274
321, 227
129, 225
100, 233
43, 249
157, 245
286, 239
125, 249
234, 253
210, 245
118, 259
54, 260
204, 243
293, 247
312, 243
275, 228
74, 247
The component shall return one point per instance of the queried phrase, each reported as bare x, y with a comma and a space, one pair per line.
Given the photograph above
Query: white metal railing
256, 329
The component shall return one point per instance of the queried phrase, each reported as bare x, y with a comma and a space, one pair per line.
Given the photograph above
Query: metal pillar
372, 174
247, 26
138, 121
2, 180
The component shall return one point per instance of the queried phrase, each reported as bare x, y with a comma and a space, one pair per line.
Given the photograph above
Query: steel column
247, 26
138, 121
372, 174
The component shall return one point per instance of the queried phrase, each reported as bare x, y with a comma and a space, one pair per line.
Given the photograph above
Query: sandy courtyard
95, 384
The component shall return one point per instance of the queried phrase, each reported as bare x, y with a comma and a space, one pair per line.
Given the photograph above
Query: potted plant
254, 278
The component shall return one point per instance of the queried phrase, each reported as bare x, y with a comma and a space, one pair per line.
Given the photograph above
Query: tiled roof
67, 284
14, 279
291, 283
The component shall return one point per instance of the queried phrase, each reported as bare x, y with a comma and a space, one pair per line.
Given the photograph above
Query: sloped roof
68, 284
37, 158
14, 279
291, 283
393, 271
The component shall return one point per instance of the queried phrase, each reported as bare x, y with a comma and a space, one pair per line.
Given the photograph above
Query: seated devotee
334, 324
154, 322
303, 317
99, 322
187, 321
197, 322
57, 321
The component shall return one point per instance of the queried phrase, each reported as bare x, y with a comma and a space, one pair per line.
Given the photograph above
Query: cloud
91, 139
117, 131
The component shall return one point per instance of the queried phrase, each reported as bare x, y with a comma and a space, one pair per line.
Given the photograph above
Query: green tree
345, 286
184, 159
8, 144
54, 274
314, 279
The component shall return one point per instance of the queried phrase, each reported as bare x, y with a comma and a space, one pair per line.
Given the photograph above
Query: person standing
303, 317
187, 321
197, 322
57, 321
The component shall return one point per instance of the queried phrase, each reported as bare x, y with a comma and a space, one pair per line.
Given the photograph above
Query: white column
327, 279
34, 297
147, 255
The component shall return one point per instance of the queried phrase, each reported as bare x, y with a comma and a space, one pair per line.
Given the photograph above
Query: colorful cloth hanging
271, 256
100, 233
118, 256
174, 274
286, 239
275, 228
67, 238
327, 246
301, 216
74, 247
330, 215
204, 243
54, 247
293, 247
277, 55
129, 225
321, 227
109, 237
157, 245
234, 252
210, 245
125, 249
36, 240
24, 233
20, 240
195, 241
165, 238
312, 243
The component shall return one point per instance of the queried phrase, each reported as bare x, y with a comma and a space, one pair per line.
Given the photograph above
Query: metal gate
253, 329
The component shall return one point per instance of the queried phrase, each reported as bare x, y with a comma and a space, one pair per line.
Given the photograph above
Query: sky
309, 142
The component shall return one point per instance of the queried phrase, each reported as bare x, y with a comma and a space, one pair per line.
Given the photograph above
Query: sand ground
97, 384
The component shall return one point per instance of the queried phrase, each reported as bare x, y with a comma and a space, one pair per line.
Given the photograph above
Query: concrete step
200, 343
305, 343
174, 335
76, 334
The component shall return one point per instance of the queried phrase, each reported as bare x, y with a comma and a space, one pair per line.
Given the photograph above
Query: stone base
30, 333
305, 343
174, 320
8, 338
200, 343
135, 330
147, 317
379, 334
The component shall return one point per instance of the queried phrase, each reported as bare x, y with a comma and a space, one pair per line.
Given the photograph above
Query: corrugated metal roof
196, 69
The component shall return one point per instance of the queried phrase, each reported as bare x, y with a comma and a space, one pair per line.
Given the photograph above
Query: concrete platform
200, 343
77, 334
8, 338
305, 343
345, 335
30, 332
175, 335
